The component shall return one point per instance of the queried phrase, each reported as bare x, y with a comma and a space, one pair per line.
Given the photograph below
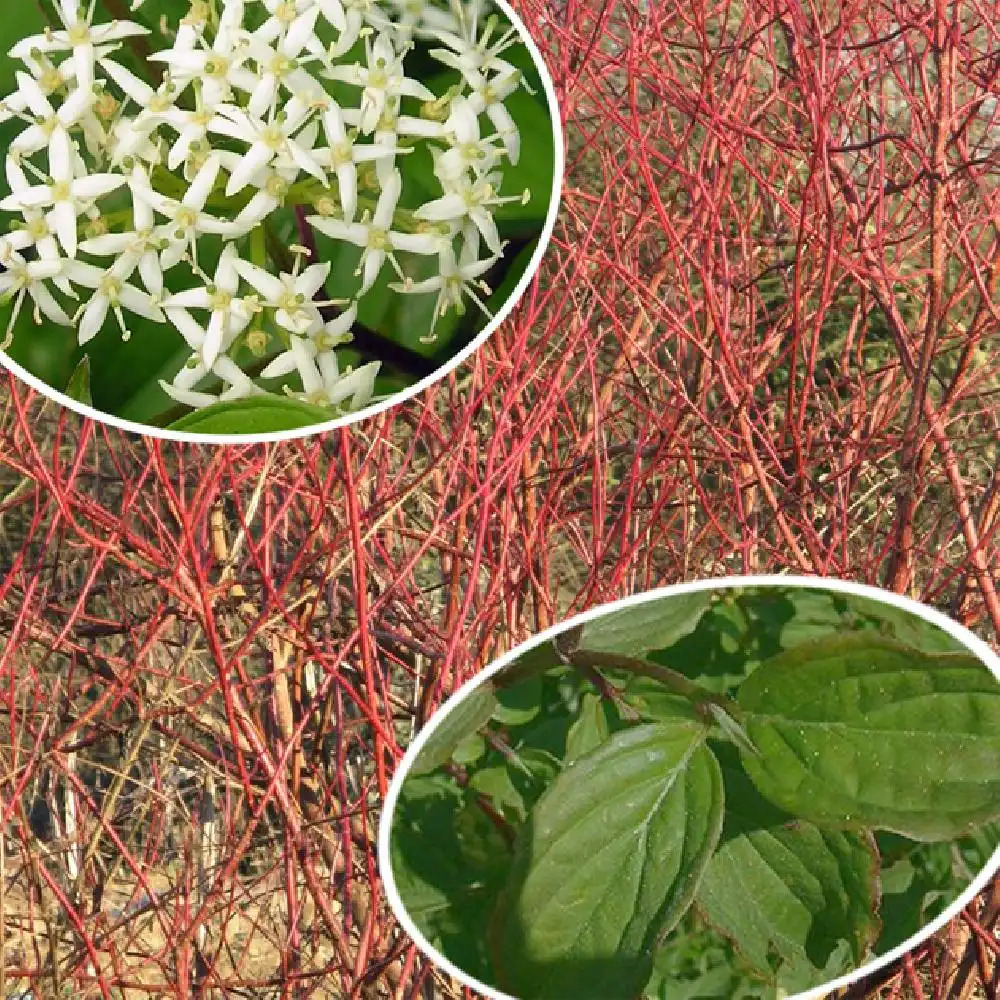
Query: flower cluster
261, 114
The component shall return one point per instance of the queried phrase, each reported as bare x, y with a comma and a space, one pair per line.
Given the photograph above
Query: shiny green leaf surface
859, 730
645, 811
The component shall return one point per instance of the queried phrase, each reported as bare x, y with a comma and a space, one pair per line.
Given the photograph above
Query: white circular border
555, 197
959, 632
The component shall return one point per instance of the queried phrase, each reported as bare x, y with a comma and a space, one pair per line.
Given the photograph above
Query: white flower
22, 277
455, 280
187, 218
50, 128
470, 199
344, 155
323, 384
281, 66
488, 96
111, 293
230, 316
292, 296
51, 79
466, 52
240, 385
468, 150
330, 336
382, 79
139, 243
266, 141
38, 227
81, 37
375, 237
421, 17
68, 197
219, 68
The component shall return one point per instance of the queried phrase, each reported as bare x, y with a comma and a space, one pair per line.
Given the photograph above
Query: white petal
96, 185
60, 156
259, 155
83, 65
333, 124
191, 298
283, 364
425, 243
204, 181
82, 273
506, 129
151, 273
451, 206
76, 106
108, 245
339, 326
48, 305
141, 303
64, 217
266, 284
333, 11
93, 318
133, 87
373, 265
299, 32
213, 338
191, 374
311, 381
263, 96
186, 326
226, 276
360, 384
387, 200
37, 101
485, 224
413, 88
353, 232
305, 161
260, 206
310, 281
27, 199
196, 400
347, 184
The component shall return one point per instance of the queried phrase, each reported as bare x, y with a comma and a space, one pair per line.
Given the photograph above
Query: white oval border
555, 199
957, 631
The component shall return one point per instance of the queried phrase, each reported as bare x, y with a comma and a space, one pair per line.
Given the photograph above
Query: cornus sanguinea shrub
773, 768
222, 173
723, 368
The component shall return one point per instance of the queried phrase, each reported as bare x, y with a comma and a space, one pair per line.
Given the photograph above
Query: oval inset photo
243, 220
750, 787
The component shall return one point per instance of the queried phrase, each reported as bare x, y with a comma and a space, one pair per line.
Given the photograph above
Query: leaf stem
670, 679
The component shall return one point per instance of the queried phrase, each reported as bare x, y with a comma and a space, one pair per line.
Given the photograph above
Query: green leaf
656, 624
861, 731
519, 703
787, 890
607, 864
589, 730
803, 614
449, 863
465, 719
255, 415
78, 386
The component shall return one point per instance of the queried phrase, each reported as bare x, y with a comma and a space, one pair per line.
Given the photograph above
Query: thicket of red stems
764, 338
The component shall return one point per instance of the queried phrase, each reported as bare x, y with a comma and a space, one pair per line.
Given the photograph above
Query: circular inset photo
244, 220
753, 787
